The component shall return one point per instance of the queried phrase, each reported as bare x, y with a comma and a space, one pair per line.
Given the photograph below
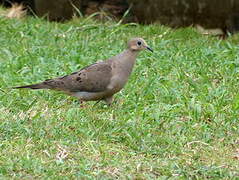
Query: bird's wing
93, 78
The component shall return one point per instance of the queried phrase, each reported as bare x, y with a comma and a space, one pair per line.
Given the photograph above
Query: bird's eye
139, 43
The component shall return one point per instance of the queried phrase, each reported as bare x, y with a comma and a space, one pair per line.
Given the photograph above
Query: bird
98, 81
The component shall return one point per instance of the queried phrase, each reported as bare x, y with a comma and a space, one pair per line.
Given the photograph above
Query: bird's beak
147, 47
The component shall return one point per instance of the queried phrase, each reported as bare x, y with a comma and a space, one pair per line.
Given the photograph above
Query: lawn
176, 118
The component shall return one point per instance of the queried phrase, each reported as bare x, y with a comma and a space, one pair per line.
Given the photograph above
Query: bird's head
138, 44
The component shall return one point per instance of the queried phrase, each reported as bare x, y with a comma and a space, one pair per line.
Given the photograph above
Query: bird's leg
109, 100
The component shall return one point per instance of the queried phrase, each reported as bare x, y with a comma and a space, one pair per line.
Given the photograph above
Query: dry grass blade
16, 11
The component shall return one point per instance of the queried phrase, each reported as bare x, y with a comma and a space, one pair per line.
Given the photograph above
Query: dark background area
174, 13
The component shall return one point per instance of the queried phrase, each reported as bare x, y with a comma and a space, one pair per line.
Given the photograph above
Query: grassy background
177, 116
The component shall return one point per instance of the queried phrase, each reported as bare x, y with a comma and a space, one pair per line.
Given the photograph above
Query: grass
176, 118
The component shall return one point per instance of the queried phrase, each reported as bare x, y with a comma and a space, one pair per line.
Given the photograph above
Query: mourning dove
99, 81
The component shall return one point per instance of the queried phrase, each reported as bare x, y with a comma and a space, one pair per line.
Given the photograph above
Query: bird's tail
33, 86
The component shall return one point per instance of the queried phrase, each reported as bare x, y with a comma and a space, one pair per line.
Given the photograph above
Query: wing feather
93, 78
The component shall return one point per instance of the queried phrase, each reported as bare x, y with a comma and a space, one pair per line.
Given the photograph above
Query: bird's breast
117, 83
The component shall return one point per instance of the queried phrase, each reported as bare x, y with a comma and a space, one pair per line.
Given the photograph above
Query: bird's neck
127, 60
